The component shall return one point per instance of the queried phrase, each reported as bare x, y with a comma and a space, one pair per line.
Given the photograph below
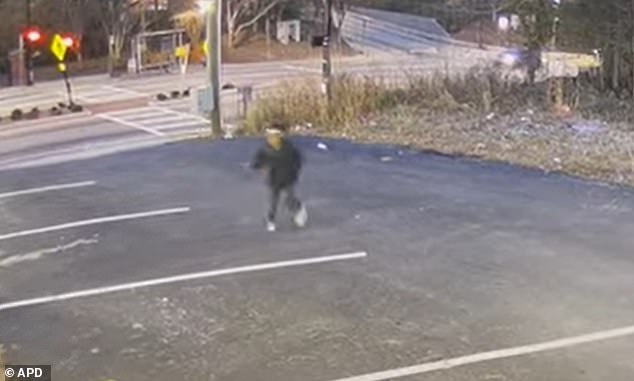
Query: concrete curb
44, 120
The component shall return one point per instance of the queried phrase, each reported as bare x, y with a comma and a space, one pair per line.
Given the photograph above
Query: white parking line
493, 355
131, 124
47, 189
179, 278
94, 221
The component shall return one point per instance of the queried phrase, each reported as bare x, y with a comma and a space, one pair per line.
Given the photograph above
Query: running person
283, 162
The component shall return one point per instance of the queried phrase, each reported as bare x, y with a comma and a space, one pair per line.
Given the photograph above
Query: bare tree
77, 13
192, 22
118, 19
241, 14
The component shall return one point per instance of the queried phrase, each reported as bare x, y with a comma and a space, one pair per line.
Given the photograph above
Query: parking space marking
180, 278
493, 355
47, 189
94, 221
38, 254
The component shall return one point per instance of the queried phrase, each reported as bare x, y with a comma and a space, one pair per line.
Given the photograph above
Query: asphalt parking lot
155, 265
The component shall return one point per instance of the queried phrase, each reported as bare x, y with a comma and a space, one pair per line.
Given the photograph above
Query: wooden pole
214, 49
327, 62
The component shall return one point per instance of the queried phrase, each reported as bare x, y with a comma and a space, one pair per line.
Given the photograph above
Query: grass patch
302, 102
355, 99
477, 114
2, 362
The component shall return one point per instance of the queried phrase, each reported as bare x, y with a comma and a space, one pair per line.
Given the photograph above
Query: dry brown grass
302, 102
476, 115
536, 141
2, 363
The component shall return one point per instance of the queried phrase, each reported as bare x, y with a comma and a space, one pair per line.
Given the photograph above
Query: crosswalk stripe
123, 90
184, 124
131, 124
183, 114
155, 119
155, 116
132, 112
159, 119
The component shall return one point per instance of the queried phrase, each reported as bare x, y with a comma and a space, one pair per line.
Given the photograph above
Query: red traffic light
68, 41
32, 35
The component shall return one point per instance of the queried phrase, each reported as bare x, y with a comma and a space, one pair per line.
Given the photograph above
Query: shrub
481, 90
17, 114
33, 114
76, 108
303, 102
356, 98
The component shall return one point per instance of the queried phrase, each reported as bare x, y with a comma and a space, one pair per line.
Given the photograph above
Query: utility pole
632, 21
557, 86
327, 60
143, 4
27, 51
214, 49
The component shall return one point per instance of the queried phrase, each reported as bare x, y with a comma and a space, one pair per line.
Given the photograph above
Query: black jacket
283, 165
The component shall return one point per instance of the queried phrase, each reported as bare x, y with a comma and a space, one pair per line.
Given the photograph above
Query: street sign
58, 48
181, 51
182, 54
205, 5
206, 47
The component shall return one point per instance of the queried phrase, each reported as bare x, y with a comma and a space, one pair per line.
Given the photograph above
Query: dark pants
292, 202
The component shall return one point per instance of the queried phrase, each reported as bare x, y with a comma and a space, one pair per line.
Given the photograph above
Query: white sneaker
301, 217
270, 226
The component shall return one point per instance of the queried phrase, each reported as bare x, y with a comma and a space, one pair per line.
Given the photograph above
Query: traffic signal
68, 41
32, 35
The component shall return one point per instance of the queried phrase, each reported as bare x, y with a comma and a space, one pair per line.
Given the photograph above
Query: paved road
134, 120
101, 89
463, 258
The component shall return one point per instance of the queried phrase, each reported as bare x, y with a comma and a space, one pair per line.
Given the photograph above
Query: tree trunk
267, 32
110, 57
479, 34
80, 56
616, 60
231, 27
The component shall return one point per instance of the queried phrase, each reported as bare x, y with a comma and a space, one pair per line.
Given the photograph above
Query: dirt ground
574, 145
